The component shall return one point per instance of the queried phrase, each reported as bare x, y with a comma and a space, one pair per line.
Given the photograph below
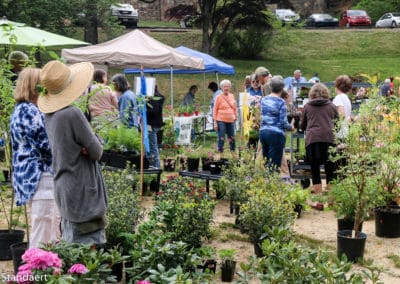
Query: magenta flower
23, 276
78, 268
143, 282
41, 259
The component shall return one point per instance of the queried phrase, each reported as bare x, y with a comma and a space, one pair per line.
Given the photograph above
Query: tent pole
216, 75
141, 148
204, 108
172, 90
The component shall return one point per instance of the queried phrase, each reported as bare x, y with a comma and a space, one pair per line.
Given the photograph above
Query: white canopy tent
134, 49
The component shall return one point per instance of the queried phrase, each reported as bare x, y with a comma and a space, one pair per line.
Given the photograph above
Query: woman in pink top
103, 102
225, 114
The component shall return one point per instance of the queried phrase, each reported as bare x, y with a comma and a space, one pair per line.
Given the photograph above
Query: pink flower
143, 282
379, 144
78, 268
24, 276
41, 259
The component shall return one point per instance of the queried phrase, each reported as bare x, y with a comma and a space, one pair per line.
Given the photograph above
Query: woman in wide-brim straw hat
79, 188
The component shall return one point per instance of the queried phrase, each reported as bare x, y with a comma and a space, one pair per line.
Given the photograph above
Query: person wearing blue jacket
127, 101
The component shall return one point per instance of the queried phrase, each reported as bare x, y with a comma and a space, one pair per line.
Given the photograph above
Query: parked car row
349, 18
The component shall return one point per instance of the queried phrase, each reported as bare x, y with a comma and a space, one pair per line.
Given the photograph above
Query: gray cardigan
79, 187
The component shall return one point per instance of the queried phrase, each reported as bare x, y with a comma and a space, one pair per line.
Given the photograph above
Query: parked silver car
287, 16
389, 20
126, 14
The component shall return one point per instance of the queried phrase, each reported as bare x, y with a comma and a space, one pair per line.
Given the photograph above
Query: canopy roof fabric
133, 49
211, 64
13, 33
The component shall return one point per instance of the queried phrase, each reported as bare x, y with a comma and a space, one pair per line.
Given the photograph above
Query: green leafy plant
298, 196
363, 154
122, 139
97, 261
11, 214
124, 210
266, 207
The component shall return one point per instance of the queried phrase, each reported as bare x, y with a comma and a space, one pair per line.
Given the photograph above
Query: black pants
317, 155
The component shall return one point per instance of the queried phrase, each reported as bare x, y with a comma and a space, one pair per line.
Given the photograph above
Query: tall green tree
376, 9
61, 16
219, 16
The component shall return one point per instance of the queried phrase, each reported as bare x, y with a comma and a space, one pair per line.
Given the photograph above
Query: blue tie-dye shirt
31, 154
273, 114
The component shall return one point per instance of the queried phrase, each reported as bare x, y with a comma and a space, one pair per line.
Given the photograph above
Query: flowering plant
61, 262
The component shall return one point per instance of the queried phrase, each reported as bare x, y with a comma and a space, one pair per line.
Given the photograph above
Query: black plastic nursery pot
298, 208
216, 166
353, 248
17, 250
117, 271
169, 164
228, 271
193, 164
205, 163
346, 224
258, 250
120, 160
7, 239
387, 221
210, 265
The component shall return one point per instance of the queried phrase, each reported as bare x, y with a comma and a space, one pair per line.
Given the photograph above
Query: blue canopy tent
211, 64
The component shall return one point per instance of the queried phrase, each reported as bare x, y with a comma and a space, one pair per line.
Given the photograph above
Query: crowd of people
55, 153
274, 100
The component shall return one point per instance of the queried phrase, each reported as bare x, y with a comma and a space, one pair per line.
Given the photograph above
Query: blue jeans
154, 159
227, 128
273, 144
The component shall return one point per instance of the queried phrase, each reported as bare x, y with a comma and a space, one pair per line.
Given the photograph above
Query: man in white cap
79, 190
293, 90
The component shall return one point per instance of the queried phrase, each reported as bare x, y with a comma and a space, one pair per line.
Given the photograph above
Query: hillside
328, 52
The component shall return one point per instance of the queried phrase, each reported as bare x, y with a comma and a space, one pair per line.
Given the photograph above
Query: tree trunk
206, 12
91, 23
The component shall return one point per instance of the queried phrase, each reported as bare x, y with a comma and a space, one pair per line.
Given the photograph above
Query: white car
287, 16
126, 14
388, 20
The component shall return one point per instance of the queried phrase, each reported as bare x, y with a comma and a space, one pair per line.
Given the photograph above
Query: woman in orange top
225, 114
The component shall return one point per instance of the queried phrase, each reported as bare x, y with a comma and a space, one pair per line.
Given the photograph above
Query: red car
352, 18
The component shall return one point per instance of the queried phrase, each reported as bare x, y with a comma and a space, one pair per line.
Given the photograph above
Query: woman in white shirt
343, 85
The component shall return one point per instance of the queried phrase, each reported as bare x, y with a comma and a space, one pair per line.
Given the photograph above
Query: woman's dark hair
284, 94
120, 83
343, 83
213, 86
98, 76
192, 88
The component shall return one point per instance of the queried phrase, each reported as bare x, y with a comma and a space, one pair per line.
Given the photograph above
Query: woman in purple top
273, 124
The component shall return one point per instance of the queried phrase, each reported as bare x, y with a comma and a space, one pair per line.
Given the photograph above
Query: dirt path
318, 225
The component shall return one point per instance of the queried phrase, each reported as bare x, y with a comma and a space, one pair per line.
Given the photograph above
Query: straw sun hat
64, 84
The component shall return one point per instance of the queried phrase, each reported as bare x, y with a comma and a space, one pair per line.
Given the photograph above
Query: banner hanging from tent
183, 130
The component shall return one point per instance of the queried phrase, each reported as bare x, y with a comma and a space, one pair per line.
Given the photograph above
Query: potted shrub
120, 217
208, 259
387, 214
193, 160
228, 264
298, 197
362, 158
122, 144
11, 215
206, 157
266, 208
